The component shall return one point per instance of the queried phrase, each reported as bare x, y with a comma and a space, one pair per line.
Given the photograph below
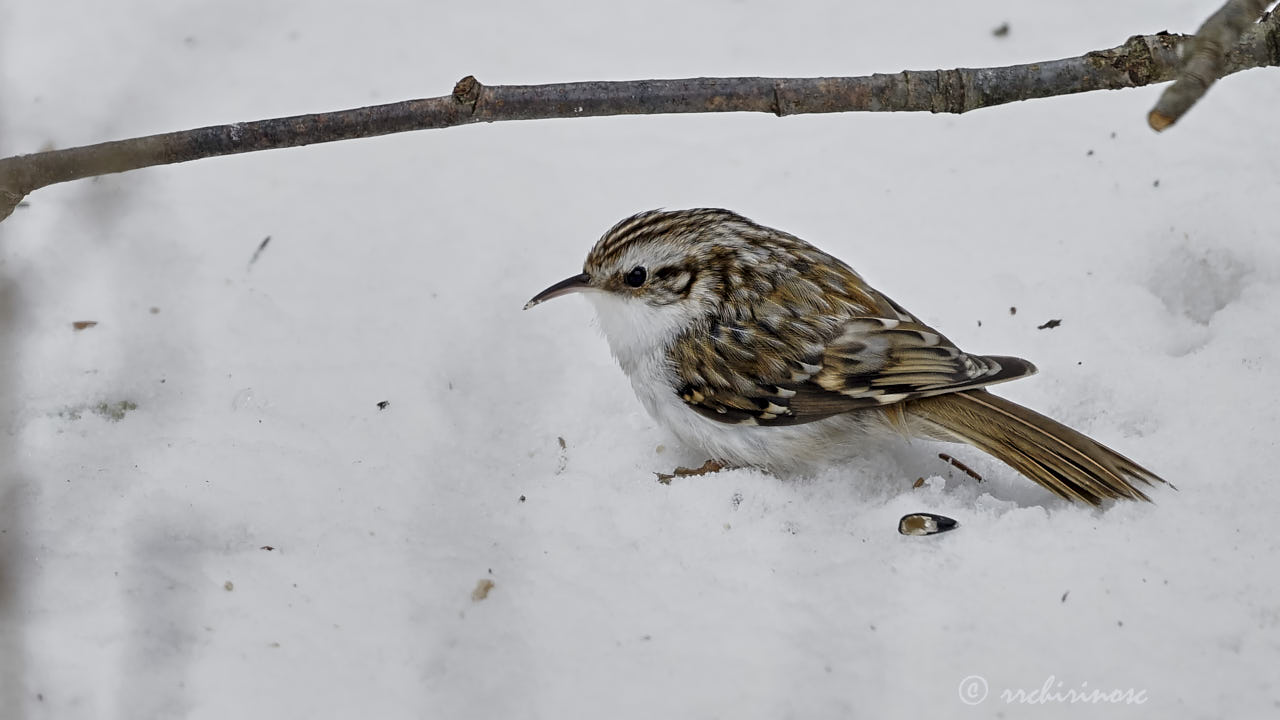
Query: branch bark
1233, 26
1141, 60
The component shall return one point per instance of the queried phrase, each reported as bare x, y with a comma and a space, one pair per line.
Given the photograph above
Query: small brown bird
762, 350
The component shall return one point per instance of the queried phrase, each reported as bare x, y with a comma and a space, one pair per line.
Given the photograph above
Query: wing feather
802, 337
863, 362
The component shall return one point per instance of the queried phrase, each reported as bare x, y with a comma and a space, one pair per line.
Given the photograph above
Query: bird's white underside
639, 336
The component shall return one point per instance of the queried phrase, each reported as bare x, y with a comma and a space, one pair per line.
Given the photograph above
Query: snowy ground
257, 539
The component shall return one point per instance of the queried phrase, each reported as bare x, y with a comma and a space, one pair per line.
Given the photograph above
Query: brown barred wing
889, 360
748, 374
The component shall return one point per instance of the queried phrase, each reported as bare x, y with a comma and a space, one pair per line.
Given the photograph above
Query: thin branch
1141, 60
1206, 56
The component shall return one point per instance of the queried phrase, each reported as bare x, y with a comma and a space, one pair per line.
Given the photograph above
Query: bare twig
708, 467
961, 466
1206, 55
1141, 60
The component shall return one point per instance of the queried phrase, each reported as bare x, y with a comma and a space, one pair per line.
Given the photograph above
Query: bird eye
636, 277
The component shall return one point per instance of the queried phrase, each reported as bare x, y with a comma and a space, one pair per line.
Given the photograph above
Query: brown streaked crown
722, 258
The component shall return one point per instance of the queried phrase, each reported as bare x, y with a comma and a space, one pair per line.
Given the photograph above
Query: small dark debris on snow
925, 524
228, 586
919, 483
482, 590
1013, 310
562, 461
1089, 154
523, 498
960, 466
114, 411
261, 246
268, 548
1064, 595
83, 325
1156, 183
708, 467
1049, 325
1001, 31
155, 310
383, 405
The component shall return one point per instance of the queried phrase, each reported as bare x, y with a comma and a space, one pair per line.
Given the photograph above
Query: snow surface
256, 538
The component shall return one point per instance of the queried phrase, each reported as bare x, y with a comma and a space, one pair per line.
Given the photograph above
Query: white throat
639, 334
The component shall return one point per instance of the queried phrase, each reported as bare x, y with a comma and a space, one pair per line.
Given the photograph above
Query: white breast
640, 334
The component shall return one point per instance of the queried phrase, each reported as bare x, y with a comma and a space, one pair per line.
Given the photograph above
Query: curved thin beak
577, 283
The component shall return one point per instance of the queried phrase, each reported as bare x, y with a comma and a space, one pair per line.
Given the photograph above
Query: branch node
467, 91
1137, 59
953, 95
781, 106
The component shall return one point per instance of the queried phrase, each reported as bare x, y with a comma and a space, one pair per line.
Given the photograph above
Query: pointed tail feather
1068, 463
